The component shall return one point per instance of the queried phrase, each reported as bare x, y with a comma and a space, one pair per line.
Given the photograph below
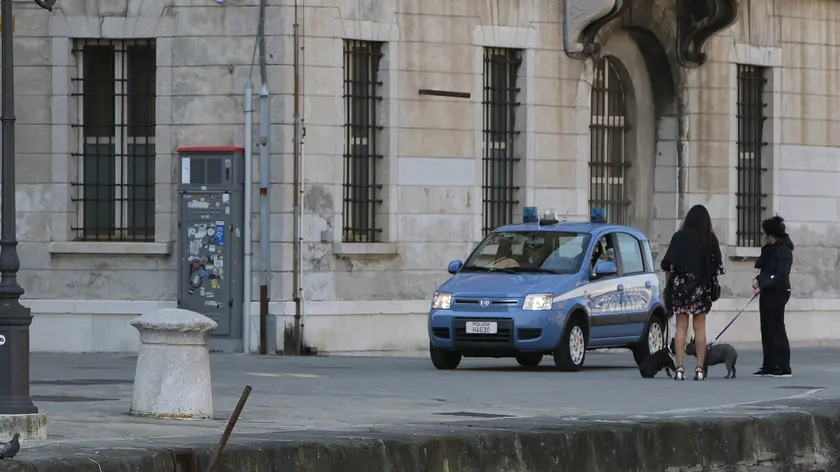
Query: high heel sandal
679, 373
699, 374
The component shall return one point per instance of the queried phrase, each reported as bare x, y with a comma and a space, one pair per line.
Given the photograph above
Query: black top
774, 265
688, 252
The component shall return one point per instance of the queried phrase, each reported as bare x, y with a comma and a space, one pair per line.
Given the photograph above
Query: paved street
87, 397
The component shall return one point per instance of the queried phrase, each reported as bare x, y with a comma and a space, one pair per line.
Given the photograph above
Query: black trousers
774, 340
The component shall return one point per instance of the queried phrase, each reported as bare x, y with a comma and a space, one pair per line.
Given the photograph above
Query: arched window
608, 144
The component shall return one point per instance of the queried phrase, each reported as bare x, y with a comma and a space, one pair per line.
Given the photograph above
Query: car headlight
538, 301
441, 301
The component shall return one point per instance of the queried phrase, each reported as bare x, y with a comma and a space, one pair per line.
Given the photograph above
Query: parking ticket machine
210, 239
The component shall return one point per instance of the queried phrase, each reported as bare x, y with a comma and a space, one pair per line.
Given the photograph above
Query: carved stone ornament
582, 19
46, 4
699, 20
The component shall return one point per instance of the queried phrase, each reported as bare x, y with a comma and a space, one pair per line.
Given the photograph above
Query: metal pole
301, 332
265, 117
14, 317
296, 247
301, 337
267, 331
249, 215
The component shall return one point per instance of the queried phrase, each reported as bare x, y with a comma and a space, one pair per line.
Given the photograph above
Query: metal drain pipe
266, 334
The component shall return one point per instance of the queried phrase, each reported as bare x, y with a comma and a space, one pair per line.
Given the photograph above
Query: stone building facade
482, 108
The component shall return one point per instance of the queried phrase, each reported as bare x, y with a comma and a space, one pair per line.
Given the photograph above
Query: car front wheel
444, 360
652, 341
571, 351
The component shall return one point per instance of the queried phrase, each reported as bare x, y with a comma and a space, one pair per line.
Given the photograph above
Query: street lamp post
14, 317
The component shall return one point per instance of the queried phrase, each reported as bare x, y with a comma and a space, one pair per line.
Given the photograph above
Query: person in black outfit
692, 264
772, 285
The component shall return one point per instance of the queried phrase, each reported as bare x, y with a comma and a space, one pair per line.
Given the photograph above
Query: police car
545, 287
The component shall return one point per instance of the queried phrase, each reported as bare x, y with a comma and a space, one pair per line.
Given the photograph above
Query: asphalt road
87, 397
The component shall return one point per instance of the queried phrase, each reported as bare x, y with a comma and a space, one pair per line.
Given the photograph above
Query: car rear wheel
529, 359
571, 351
444, 360
652, 341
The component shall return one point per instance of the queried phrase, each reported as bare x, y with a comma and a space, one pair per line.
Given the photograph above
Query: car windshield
552, 252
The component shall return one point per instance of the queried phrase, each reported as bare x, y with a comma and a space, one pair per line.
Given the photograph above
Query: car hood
507, 285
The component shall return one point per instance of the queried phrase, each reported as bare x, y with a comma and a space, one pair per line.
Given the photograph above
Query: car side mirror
605, 268
454, 267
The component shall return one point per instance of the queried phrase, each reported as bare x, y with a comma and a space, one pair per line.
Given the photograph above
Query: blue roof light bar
598, 215
530, 215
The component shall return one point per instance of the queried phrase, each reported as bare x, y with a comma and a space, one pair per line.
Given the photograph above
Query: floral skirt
689, 296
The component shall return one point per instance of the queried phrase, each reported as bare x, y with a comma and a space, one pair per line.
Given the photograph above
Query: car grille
495, 304
502, 336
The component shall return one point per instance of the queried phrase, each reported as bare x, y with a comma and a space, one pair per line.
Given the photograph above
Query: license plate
482, 327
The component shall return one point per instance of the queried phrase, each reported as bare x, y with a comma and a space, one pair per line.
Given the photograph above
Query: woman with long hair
692, 264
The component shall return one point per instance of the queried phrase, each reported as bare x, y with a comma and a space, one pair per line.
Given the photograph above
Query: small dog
661, 359
719, 354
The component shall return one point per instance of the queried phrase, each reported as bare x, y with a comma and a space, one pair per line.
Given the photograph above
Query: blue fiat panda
545, 287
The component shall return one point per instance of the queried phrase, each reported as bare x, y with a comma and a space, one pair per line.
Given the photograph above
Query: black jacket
774, 265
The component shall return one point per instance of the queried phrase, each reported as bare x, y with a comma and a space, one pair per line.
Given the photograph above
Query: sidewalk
87, 397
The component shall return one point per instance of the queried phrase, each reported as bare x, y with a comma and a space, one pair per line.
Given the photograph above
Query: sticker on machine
198, 204
220, 233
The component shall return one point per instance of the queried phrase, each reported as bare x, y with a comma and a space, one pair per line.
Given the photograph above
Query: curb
794, 436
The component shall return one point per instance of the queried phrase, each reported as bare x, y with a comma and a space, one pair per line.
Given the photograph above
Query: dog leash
733, 320
709, 346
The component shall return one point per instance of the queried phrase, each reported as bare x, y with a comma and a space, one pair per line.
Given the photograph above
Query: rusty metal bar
229, 429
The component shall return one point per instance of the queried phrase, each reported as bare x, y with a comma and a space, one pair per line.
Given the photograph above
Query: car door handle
647, 284
620, 287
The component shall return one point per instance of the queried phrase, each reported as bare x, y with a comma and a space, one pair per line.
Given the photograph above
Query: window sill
115, 248
365, 249
740, 253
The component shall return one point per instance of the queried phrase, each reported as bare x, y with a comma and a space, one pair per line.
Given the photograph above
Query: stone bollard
172, 379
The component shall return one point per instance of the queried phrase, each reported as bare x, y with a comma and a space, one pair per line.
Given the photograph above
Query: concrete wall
360, 297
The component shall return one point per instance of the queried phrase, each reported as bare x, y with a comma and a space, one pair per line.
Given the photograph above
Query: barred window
751, 116
114, 89
608, 160
362, 190
499, 162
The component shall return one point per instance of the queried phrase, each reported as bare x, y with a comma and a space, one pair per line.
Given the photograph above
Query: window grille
362, 190
114, 189
751, 116
499, 190
608, 161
